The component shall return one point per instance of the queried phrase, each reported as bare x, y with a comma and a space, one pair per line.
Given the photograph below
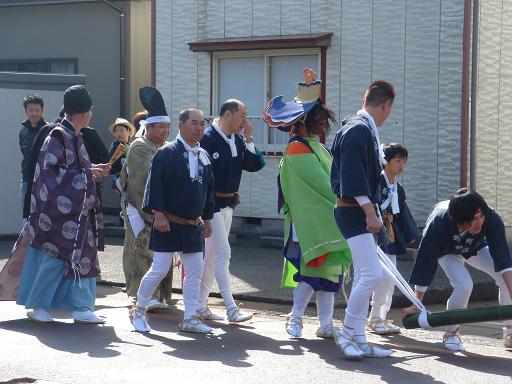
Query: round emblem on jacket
215, 155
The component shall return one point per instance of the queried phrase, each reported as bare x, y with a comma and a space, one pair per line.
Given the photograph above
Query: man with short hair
463, 230
34, 108
180, 194
231, 154
357, 163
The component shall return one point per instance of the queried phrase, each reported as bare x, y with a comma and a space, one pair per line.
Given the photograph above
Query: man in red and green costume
316, 254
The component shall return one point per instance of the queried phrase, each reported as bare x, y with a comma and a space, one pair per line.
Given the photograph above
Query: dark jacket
27, 136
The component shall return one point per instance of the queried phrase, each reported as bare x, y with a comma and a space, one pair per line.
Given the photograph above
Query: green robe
137, 257
309, 204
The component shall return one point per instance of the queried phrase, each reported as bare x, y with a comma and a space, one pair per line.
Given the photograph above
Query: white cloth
382, 157
324, 303
392, 196
460, 279
362, 200
142, 129
162, 262
302, 293
230, 140
367, 276
383, 295
216, 259
193, 157
136, 221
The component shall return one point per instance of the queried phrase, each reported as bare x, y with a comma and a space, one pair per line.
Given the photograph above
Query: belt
180, 220
344, 202
222, 194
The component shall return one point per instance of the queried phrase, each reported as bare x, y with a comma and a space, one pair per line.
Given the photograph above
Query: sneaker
453, 342
194, 325
507, 337
88, 317
373, 351
347, 345
382, 327
153, 304
139, 319
294, 326
163, 304
327, 332
235, 315
206, 314
40, 315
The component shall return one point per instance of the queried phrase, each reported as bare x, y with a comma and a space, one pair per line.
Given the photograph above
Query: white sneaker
163, 304
327, 332
41, 315
194, 325
347, 345
139, 319
153, 304
374, 351
206, 314
88, 317
235, 315
294, 326
382, 327
453, 342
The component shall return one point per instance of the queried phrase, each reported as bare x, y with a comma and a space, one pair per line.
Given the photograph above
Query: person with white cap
61, 263
137, 257
180, 194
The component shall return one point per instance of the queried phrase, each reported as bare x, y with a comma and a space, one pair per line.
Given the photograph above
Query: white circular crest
84, 153
63, 204
32, 234
79, 181
62, 172
69, 230
37, 171
85, 265
44, 222
90, 238
70, 157
50, 249
32, 203
49, 160
215, 155
43, 192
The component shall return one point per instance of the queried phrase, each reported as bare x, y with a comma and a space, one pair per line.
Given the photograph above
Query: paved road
259, 352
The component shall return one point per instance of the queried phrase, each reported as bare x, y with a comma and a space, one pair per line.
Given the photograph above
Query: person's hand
412, 310
105, 167
207, 228
161, 223
373, 224
97, 173
248, 129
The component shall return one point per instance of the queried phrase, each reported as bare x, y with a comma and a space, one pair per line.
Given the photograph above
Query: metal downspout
474, 88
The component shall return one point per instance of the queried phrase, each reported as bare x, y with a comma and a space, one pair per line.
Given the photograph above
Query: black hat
153, 102
77, 100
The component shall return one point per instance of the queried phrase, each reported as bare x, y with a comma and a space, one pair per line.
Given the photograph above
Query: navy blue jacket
227, 170
355, 167
441, 237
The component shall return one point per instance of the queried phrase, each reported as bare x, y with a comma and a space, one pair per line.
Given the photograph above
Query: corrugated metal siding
415, 45
494, 106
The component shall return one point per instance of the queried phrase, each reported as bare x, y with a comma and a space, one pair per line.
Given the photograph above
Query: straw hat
126, 123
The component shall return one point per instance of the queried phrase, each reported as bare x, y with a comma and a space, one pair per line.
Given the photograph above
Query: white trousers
383, 295
367, 276
162, 262
460, 279
324, 303
216, 259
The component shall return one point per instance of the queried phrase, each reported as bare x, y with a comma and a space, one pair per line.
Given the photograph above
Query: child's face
396, 166
121, 133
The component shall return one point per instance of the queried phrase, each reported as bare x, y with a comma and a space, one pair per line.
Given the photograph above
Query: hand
207, 228
104, 167
97, 173
248, 129
373, 224
161, 223
412, 310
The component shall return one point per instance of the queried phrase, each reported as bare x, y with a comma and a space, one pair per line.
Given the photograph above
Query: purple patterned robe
63, 218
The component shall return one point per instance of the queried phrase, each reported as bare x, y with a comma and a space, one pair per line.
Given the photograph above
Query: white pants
460, 280
216, 259
162, 262
367, 276
383, 295
324, 303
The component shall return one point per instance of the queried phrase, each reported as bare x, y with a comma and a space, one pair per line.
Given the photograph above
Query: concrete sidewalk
256, 273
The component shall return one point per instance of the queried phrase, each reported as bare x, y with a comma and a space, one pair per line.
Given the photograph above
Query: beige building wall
138, 54
417, 45
494, 106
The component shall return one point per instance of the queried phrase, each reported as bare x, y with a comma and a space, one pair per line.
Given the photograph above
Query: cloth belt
180, 220
222, 194
346, 202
